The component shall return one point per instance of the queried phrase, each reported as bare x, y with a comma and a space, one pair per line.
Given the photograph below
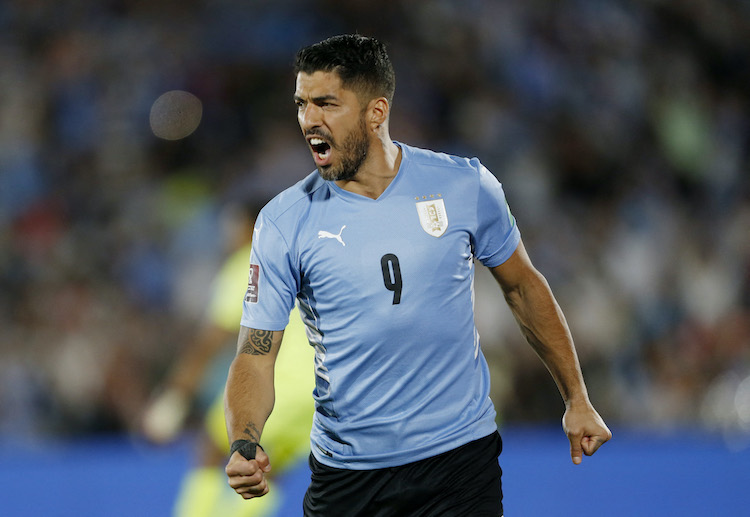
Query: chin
326, 173
330, 174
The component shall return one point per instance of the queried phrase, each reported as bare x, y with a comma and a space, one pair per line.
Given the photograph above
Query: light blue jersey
385, 288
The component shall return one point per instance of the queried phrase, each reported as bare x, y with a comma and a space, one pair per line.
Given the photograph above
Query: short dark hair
362, 63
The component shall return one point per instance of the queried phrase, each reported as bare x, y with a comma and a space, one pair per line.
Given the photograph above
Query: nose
310, 116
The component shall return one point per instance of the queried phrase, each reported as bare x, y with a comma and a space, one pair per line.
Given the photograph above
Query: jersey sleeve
273, 279
497, 234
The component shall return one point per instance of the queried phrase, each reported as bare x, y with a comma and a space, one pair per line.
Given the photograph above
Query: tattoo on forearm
252, 432
258, 342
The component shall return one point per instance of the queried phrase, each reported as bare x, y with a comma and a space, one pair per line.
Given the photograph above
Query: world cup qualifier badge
251, 296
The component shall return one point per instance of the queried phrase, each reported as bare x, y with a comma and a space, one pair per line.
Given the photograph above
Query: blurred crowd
619, 129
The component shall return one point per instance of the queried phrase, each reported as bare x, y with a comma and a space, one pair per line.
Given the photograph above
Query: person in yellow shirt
204, 490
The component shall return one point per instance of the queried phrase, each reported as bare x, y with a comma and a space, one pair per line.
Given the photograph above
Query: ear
377, 111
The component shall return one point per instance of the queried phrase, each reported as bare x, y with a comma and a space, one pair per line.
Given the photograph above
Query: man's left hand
585, 429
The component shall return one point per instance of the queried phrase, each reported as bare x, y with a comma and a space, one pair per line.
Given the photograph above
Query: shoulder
296, 200
427, 158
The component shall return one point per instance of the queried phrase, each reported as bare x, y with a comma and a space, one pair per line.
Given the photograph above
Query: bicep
262, 344
516, 272
530, 299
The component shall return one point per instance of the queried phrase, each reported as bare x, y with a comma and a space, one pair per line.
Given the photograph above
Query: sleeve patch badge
251, 296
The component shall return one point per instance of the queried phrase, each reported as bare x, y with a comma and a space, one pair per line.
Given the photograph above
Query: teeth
316, 141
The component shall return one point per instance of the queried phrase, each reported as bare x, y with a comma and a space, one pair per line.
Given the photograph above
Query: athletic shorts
464, 482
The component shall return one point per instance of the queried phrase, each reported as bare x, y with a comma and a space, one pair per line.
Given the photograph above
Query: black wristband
245, 447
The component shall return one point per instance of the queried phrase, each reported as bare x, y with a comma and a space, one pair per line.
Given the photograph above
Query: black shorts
464, 482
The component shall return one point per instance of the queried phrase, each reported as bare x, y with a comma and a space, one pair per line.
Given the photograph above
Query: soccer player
378, 249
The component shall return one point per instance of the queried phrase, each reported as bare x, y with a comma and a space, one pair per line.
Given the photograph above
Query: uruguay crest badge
433, 217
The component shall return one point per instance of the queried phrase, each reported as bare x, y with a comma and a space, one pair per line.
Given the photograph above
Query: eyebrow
317, 100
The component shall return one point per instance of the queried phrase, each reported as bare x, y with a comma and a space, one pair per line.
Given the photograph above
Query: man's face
333, 122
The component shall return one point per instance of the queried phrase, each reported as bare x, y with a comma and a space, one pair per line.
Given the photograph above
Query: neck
378, 171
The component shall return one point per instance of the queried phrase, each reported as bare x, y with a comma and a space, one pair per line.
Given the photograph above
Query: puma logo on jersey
322, 234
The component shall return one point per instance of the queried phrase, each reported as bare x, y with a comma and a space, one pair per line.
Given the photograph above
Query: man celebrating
378, 248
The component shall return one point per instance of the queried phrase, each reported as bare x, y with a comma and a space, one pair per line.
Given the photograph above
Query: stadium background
620, 130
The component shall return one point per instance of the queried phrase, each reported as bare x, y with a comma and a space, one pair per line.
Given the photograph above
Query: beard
353, 153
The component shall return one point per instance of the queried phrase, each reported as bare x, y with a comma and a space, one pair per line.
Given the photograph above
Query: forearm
249, 399
544, 326
249, 395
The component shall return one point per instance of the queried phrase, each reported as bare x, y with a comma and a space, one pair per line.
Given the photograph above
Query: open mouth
321, 150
